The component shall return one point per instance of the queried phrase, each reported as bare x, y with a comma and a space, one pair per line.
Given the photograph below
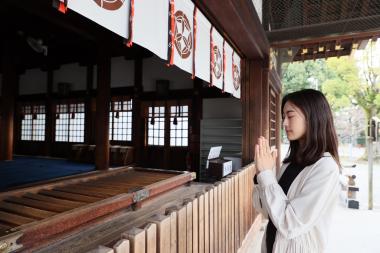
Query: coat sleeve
257, 204
293, 217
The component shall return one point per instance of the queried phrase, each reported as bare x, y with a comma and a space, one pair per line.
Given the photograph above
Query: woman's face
294, 122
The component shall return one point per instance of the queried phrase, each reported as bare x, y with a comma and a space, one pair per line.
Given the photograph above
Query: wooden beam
285, 37
311, 41
102, 110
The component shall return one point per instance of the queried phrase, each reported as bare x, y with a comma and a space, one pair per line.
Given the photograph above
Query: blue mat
26, 170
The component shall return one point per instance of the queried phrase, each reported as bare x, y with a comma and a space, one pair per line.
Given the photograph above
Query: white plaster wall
122, 72
154, 69
222, 108
33, 81
259, 8
71, 73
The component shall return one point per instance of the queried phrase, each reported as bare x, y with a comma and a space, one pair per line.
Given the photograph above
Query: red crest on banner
236, 76
183, 38
218, 62
110, 4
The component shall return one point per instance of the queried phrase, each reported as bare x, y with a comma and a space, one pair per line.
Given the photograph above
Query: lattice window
272, 118
69, 122
33, 122
120, 120
156, 126
179, 126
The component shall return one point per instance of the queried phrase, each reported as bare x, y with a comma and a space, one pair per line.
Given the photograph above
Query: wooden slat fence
214, 221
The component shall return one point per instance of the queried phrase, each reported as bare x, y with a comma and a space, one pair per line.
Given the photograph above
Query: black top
285, 181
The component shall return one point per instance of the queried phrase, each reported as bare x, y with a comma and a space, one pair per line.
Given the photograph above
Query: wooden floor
36, 213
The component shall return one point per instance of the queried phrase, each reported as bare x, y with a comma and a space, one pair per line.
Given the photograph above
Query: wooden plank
38, 204
70, 180
79, 190
188, 203
195, 226
207, 221
136, 237
211, 219
246, 192
237, 211
216, 220
70, 196
172, 213
150, 237
227, 200
101, 249
14, 219
233, 214
25, 210
91, 188
68, 203
220, 237
170, 183
241, 206
231, 217
121, 246
224, 216
163, 232
181, 230
201, 225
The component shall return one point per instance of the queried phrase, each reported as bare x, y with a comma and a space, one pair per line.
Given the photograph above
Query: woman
300, 200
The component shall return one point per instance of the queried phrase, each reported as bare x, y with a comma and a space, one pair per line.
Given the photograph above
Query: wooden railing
214, 221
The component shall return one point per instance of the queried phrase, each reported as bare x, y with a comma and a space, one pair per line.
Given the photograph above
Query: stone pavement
355, 230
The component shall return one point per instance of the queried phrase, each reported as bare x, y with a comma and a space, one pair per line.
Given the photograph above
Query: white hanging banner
236, 74
150, 25
111, 14
202, 47
216, 64
182, 35
228, 77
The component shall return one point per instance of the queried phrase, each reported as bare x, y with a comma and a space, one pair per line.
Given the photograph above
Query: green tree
343, 82
298, 75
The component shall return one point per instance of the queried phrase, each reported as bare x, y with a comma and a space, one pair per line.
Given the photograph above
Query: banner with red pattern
216, 62
236, 74
181, 35
111, 14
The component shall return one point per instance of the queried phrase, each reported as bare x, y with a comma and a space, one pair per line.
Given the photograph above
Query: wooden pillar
89, 126
49, 130
255, 105
102, 110
265, 109
195, 127
138, 129
10, 82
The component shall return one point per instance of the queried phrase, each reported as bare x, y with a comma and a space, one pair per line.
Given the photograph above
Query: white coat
302, 217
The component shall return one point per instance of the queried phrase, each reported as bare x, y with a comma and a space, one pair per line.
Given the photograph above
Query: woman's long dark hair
320, 133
